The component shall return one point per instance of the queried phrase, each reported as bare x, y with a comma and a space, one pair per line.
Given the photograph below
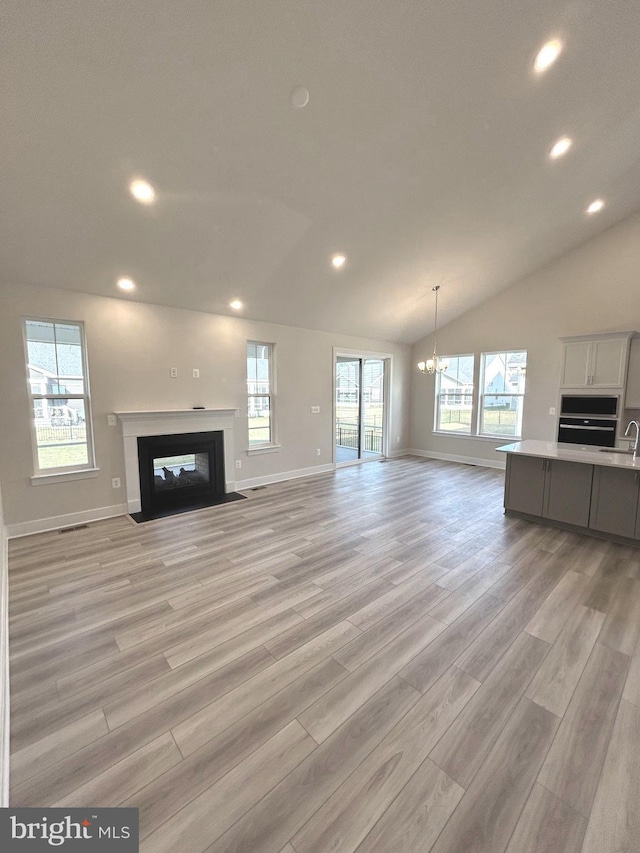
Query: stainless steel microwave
589, 405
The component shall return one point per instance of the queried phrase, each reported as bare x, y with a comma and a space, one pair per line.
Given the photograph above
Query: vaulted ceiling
422, 153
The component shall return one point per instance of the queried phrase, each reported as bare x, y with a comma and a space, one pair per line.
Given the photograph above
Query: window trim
478, 396
272, 444
50, 474
482, 395
436, 398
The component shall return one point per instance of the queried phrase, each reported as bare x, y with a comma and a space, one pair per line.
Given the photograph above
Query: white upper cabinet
632, 400
576, 361
596, 361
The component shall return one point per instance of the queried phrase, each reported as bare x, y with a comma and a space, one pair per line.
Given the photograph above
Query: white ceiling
421, 154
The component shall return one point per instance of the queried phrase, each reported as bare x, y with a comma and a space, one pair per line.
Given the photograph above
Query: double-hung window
260, 393
454, 395
502, 383
59, 388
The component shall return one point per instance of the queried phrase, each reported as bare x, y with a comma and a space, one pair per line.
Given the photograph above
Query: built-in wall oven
588, 420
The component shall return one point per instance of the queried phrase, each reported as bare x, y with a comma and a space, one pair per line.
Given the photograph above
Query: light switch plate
112, 420
315, 410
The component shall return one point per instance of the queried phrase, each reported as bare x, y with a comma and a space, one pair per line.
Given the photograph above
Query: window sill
264, 448
64, 476
505, 439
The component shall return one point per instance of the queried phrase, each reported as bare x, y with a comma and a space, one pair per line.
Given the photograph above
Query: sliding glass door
360, 408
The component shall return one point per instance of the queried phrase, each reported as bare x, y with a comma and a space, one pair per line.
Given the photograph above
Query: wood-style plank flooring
372, 660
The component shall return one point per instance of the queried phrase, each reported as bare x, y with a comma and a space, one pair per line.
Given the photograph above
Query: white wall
131, 347
4, 665
594, 288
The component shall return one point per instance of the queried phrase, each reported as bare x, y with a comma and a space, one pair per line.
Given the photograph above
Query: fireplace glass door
180, 471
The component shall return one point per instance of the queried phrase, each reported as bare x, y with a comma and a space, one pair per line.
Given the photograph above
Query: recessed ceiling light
142, 191
560, 147
547, 55
339, 261
299, 98
126, 284
236, 304
595, 206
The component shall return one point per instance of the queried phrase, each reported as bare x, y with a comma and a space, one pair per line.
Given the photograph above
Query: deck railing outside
347, 436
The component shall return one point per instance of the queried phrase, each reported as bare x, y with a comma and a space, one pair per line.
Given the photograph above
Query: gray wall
131, 347
595, 288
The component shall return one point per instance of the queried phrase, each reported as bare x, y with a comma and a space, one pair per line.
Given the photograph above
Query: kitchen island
583, 489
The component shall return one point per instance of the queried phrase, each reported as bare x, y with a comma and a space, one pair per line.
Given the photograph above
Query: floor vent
258, 488
69, 529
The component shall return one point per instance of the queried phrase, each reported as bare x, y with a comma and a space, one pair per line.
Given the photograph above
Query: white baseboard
465, 460
71, 519
4, 670
242, 485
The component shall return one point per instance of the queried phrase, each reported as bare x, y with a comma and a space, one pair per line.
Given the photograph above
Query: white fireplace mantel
173, 422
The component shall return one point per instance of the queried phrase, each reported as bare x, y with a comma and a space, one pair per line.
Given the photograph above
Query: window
454, 395
502, 393
260, 393
58, 382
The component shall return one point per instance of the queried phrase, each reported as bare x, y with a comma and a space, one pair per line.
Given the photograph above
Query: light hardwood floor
372, 660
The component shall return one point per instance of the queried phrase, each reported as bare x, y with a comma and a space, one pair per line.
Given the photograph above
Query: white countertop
571, 453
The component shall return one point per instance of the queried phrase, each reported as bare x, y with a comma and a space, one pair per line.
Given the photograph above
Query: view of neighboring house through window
502, 384
260, 392
454, 395
58, 383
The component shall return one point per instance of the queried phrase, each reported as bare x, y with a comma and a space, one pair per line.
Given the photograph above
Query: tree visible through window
57, 374
260, 392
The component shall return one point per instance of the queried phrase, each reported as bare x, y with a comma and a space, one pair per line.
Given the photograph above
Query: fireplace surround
177, 471
170, 423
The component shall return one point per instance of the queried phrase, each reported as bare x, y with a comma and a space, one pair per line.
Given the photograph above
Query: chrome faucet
635, 443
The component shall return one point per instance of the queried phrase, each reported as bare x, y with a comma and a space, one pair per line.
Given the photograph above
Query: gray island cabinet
580, 489
614, 502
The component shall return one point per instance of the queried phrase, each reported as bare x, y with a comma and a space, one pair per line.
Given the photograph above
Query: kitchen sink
616, 450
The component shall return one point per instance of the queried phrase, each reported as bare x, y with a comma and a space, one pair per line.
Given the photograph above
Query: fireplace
168, 424
184, 470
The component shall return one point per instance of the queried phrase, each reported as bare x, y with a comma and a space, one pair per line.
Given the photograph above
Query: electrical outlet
196, 373
115, 483
552, 410
318, 451
173, 372
112, 420
238, 463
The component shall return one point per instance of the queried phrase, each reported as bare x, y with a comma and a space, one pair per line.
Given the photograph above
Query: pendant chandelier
433, 364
